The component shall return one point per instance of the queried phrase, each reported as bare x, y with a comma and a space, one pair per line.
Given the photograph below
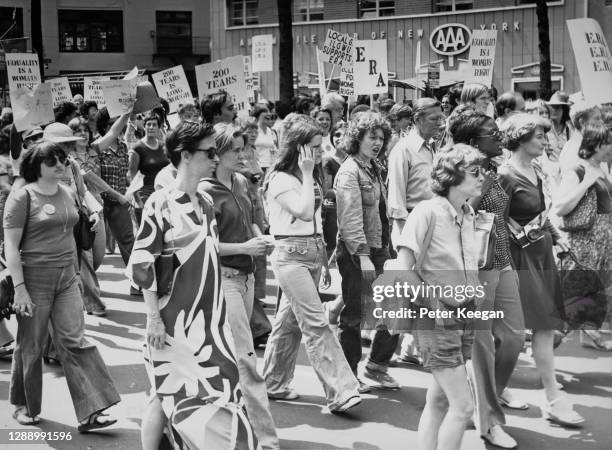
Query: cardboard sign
347, 81
60, 90
262, 53
120, 96
592, 60
92, 90
172, 85
321, 72
22, 70
370, 67
32, 108
225, 75
482, 57
338, 48
248, 78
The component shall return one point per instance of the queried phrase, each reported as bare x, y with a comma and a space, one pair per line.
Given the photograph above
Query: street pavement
384, 420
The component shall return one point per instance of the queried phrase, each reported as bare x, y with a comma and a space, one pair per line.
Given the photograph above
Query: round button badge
49, 208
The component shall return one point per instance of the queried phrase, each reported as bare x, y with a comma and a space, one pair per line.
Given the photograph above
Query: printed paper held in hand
32, 108
120, 96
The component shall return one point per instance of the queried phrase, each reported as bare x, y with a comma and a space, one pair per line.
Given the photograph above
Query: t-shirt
281, 221
265, 148
151, 162
48, 240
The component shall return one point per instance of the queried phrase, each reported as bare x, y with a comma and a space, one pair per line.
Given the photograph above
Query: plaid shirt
114, 168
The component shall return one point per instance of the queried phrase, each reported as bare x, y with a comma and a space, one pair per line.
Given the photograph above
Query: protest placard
92, 90
248, 79
337, 48
262, 58
592, 60
119, 95
482, 57
60, 90
32, 107
321, 72
172, 85
370, 67
22, 70
225, 75
347, 82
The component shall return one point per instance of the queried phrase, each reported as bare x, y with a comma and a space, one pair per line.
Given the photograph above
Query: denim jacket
360, 198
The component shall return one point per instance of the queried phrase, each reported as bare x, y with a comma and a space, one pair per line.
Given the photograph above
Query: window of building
173, 34
242, 12
452, 5
11, 22
369, 9
90, 31
307, 10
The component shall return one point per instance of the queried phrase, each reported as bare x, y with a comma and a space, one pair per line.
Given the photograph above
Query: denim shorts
443, 348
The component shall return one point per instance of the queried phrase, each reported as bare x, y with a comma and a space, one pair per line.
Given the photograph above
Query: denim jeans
238, 292
59, 309
497, 344
349, 329
120, 223
297, 266
89, 283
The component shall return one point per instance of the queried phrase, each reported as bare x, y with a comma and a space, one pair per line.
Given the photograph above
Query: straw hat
559, 98
59, 132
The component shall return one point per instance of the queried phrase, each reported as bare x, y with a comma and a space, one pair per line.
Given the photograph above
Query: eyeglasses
51, 160
496, 134
476, 171
211, 152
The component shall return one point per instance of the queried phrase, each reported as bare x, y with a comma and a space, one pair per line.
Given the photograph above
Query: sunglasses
496, 134
51, 161
476, 171
337, 135
211, 152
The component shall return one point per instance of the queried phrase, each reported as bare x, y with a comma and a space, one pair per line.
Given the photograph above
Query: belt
288, 236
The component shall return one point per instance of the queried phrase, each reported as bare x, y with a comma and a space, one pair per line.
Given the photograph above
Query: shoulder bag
584, 215
486, 237
84, 236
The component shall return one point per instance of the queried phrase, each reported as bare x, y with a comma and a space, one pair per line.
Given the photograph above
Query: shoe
51, 361
97, 313
350, 403
411, 359
6, 351
592, 339
363, 387
135, 292
507, 399
94, 423
499, 438
383, 380
261, 341
289, 394
565, 417
23, 418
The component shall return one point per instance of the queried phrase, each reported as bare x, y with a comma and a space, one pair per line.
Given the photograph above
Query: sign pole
331, 75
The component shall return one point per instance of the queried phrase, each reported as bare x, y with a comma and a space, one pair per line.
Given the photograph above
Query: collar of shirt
416, 143
467, 209
373, 170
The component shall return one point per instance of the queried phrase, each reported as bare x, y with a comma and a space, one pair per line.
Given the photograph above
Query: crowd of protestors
198, 210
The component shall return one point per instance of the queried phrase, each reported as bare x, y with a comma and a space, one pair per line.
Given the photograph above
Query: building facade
418, 33
115, 35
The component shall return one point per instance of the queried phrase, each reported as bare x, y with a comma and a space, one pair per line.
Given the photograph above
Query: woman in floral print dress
189, 349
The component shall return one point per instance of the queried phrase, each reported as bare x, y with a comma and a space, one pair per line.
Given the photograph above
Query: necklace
49, 209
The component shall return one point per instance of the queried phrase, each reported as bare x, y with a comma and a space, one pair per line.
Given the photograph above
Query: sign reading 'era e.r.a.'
593, 60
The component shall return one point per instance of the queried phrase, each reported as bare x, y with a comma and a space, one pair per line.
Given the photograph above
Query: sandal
592, 339
23, 418
94, 424
6, 351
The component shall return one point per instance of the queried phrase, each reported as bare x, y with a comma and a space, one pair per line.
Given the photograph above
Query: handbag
584, 297
584, 215
486, 237
84, 236
165, 264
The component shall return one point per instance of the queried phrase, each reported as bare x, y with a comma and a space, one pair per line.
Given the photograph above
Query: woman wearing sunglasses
498, 342
189, 352
41, 256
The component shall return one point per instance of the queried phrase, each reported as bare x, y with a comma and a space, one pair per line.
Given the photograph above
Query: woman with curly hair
293, 195
324, 119
439, 234
363, 241
532, 237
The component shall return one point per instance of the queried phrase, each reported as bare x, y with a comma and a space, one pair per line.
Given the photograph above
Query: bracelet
154, 316
18, 284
